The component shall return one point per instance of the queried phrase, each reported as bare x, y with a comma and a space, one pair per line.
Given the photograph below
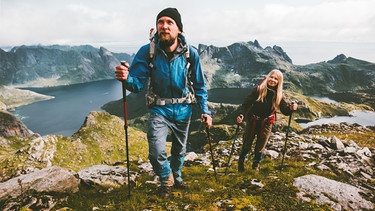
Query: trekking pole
231, 152
286, 139
212, 154
126, 128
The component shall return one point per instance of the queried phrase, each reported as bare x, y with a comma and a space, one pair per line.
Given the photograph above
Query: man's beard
166, 43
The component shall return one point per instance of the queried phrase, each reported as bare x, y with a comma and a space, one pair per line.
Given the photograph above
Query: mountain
240, 65
57, 65
244, 64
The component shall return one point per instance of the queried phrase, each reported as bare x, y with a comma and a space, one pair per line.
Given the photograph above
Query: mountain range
240, 65
34, 176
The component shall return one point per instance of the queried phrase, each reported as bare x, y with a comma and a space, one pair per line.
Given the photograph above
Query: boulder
338, 195
12, 126
106, 176
53, 179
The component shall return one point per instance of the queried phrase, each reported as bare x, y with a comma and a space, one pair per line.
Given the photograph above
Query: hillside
13, 97
86, 171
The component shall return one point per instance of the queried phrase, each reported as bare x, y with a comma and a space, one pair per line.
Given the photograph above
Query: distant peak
338, 59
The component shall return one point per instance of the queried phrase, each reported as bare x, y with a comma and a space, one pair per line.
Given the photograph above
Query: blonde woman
259, 109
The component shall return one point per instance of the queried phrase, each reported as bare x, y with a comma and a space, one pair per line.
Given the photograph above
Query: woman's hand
293, 106
240, 118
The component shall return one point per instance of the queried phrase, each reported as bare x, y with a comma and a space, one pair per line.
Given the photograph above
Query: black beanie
172, 13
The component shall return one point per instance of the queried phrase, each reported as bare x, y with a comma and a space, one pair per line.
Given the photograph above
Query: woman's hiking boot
255, 166
241, 167
257, 158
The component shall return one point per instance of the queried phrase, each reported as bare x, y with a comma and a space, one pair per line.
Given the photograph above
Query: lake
365, 118
64, 114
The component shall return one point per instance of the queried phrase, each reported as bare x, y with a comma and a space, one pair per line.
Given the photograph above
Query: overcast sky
123, 25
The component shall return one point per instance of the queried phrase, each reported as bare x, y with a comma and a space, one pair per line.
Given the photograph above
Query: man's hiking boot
168, 181
179, 184
241, 167
165, 191
166, 186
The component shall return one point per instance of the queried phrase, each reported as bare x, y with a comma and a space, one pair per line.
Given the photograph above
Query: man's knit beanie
172, 13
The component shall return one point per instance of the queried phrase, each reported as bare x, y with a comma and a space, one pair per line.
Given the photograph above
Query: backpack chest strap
164, 101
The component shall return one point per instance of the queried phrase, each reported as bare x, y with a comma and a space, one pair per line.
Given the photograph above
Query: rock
341, 196
190, 156
12, 126
271, 153
337, 143
106, 176
53, 179
42, 149
3, 107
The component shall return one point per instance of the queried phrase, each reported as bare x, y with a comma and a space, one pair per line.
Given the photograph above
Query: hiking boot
168, 181
255, 166
179, 184
166, 186
165, 191
241, 167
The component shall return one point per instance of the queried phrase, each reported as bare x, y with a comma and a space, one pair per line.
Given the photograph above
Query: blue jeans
158, 128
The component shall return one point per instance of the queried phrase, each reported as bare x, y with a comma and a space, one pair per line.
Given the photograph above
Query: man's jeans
158, 128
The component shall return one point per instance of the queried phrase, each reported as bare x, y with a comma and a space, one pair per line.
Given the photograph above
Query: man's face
167, 31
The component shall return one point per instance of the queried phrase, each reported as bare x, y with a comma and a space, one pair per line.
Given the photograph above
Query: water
65, 114
365, 118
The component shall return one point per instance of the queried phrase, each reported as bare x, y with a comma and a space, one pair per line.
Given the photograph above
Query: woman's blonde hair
263, 88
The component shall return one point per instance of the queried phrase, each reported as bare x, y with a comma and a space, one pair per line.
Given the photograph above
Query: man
176, 80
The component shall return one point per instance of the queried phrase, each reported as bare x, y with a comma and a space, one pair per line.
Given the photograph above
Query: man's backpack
152, 98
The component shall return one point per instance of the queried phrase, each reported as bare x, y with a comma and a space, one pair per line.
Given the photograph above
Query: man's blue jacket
169, 78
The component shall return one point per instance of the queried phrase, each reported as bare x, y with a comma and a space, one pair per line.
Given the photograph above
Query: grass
233, 191
362, 139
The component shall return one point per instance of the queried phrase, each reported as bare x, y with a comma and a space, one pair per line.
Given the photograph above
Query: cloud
127, 23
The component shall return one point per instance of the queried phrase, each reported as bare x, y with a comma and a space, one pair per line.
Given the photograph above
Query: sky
308, 30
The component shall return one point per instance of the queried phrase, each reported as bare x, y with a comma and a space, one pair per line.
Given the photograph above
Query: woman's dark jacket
263, 109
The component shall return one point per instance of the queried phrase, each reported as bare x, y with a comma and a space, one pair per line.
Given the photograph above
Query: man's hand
122, 71
207, 120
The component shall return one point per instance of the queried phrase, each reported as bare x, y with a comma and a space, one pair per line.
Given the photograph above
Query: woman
260, 108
